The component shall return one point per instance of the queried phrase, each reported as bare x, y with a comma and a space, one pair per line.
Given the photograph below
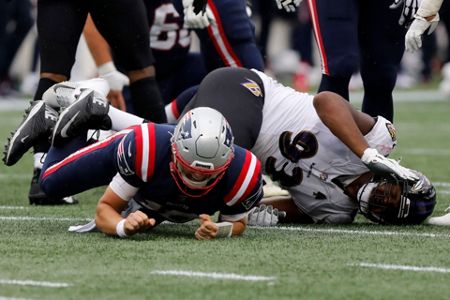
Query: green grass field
40, 259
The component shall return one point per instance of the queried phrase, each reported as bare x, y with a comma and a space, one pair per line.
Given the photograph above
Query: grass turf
307, 262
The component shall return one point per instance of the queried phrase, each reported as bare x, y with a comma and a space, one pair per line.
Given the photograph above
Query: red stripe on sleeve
151, 150
253, 181
138, 159
240, 179
174, 108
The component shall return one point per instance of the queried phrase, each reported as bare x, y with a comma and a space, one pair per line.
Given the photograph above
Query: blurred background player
15, 22
350, 36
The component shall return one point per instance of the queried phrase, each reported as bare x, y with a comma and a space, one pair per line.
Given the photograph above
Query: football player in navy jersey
176, 67
176, 173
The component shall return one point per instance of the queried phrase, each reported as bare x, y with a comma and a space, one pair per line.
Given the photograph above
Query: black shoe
88, 112
38, 123
37, 196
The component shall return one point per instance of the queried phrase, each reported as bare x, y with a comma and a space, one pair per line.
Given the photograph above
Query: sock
121, 119
39, 158
335, 84
147, 100
44, 84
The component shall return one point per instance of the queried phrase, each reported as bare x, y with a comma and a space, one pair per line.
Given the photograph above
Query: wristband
120, 229
225, 229
106, 68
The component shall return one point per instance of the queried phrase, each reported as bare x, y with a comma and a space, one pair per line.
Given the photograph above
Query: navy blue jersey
141, 156
168, 39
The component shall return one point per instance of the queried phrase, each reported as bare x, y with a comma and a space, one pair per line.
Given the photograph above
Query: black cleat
37, 196
90, 111
38, 123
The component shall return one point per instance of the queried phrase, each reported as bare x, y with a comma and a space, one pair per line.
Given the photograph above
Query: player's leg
382, 47
229, 41
238, 94
124, 25
335, 25
76, 167
177, 106
59, 24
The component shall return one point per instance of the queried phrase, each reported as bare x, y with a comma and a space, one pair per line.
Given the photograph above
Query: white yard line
214, 275
34, 283
426, 151
359, 232
25, 218
13, 298
402, 267
284, 228
441, 183
12, 207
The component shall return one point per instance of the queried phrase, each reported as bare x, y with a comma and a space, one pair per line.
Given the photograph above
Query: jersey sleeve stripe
174, 108
151, 150
83, 151
244, 181
138, 143
254, 180
220, 40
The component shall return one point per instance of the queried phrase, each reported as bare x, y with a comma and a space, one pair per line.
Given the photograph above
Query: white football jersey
299, 151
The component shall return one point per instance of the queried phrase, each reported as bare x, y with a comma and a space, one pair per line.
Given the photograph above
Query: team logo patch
253, 87
124, 167
392, 131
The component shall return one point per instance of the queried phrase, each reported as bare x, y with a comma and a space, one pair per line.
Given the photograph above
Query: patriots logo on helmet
185, 130
228, 136
253, 87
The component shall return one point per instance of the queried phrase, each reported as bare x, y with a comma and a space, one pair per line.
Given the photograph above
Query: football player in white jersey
320, 148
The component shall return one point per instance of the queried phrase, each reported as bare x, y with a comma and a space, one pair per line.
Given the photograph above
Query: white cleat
63, 94
441, 221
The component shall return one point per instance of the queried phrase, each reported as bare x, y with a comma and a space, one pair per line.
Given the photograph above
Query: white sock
39, 158
121, 119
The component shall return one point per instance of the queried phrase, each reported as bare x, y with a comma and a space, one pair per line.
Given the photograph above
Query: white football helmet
202, 150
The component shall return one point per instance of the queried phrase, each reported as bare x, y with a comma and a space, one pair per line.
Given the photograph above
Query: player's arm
108, 213
344, 121
349, 125
106, 69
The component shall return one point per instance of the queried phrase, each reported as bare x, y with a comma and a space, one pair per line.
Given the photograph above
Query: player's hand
413, 38
265, 216
207, 230
138, 221
116, 80
381, 165
409, 9
116, 99
194, 20
288, 5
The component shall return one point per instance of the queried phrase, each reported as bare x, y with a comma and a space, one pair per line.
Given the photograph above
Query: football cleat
37, 196
38, 123
89, 111
443, 220
63, 94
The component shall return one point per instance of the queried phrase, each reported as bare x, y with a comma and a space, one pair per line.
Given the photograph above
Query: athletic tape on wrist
225, 229
120, 229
